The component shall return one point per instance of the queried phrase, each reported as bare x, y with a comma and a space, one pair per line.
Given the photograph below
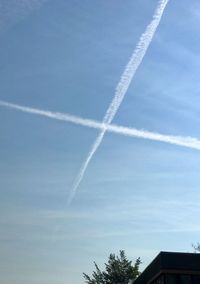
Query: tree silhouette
118, 270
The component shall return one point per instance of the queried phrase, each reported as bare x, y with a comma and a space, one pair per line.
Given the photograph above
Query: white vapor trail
55, 115
188, 142
122, 87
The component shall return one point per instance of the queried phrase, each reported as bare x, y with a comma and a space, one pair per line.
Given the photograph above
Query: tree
118, 270
196, 247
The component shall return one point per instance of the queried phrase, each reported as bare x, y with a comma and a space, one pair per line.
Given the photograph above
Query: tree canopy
196, 247
118, 270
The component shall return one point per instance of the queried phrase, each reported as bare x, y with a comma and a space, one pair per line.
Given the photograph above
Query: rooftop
170, 262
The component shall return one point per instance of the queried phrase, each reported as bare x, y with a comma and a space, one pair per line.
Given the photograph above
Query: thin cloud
13, 11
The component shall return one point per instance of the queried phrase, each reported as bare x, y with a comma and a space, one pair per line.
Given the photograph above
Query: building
172, 268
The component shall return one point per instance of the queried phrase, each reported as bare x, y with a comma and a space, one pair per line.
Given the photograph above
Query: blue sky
138, 195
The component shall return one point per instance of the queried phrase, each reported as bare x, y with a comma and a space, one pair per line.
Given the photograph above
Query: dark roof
170, 261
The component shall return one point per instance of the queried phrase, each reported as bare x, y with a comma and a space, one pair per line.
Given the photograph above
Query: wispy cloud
194, 9
13, 11
121, 89
168, 217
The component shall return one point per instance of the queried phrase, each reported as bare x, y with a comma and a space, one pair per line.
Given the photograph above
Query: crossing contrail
122, 87
187, 141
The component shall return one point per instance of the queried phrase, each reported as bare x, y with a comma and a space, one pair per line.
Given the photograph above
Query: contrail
55, 115
188, 142
122, 87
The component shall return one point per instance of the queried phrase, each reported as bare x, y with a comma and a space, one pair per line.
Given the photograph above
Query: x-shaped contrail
120, 92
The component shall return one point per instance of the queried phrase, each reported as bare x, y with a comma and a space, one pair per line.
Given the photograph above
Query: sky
137, 194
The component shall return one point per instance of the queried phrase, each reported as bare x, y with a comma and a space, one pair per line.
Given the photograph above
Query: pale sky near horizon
138, 195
